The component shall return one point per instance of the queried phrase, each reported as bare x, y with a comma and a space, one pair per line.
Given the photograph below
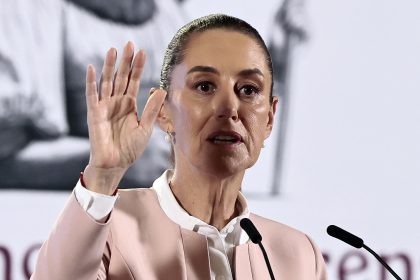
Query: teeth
225, 138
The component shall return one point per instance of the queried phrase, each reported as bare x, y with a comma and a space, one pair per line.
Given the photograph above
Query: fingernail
129, 45
113, 52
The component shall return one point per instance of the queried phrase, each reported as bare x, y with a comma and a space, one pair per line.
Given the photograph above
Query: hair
174, 53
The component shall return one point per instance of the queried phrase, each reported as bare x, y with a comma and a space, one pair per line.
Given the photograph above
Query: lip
230, 133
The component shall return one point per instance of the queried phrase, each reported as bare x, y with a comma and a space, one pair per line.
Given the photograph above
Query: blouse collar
177, 214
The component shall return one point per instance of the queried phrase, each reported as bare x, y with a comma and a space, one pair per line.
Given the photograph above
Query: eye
205, 87
249, 90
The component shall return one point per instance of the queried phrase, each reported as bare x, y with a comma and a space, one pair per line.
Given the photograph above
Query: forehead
224, 49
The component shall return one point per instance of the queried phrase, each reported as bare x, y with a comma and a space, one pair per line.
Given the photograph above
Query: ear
271, 114
163, 120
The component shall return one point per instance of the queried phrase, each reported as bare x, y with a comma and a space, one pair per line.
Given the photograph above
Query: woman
215, 103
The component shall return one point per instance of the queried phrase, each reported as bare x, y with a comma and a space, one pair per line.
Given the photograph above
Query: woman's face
219, 105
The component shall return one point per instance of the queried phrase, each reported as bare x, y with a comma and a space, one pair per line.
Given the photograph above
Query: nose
227, 105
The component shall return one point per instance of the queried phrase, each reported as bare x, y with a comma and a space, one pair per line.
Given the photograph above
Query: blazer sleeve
76, 248
321, 269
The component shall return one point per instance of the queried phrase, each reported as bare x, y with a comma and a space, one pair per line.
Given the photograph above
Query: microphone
248, 226
358, 243
345, 236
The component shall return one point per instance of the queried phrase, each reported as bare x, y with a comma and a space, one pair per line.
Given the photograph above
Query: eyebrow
201, 68
250, 72
209, 69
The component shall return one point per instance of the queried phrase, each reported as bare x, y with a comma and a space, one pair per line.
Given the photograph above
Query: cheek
256, 124
189, 120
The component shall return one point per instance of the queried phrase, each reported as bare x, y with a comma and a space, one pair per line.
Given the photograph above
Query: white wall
353, 148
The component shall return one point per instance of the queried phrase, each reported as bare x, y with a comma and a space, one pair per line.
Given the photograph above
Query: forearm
75, 247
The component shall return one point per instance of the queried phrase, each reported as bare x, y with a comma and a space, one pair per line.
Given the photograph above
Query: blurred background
345, 149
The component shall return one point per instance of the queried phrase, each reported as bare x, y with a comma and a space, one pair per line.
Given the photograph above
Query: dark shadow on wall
44, 140
288, 31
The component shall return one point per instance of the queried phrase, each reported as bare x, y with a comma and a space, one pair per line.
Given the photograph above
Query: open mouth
225, 137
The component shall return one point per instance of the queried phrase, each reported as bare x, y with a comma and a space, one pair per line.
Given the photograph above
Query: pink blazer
140, 242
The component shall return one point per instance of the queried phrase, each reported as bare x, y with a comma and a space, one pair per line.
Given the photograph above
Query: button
221, 277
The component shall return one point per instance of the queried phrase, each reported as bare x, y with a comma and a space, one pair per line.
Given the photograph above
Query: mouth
225, 138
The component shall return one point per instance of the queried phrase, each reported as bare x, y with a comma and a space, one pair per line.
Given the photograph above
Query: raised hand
116, 135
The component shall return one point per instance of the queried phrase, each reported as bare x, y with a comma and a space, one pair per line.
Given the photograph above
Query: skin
207, 176
117, 136
223, 86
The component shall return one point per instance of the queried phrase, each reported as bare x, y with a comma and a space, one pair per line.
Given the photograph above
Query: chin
225, 167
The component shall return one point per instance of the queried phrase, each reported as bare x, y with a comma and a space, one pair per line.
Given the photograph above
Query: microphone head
251, 230
345, 236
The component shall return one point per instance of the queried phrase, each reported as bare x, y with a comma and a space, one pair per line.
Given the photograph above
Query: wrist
102, 180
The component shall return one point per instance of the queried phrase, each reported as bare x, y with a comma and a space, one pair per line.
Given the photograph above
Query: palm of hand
116, 134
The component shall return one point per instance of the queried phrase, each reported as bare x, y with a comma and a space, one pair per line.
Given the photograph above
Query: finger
135, 75
91, 95
121, 77
152, 108
105, 84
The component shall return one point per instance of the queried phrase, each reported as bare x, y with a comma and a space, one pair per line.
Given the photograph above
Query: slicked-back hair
174, 53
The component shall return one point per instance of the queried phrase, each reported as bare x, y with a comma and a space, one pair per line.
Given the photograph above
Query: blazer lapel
196, 255
249, 263
243, 269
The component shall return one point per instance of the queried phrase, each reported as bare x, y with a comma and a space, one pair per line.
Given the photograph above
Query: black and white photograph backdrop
345, 148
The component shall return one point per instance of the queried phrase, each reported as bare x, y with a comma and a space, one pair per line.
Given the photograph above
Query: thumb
152, 108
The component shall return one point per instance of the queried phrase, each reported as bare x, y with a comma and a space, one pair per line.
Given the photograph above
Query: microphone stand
382, 262
358, 243
250, 229
266, 261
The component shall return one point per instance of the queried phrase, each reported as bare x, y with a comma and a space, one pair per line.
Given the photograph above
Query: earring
263, 145
168, 137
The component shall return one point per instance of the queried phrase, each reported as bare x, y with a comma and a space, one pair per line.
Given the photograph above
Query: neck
209, 197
